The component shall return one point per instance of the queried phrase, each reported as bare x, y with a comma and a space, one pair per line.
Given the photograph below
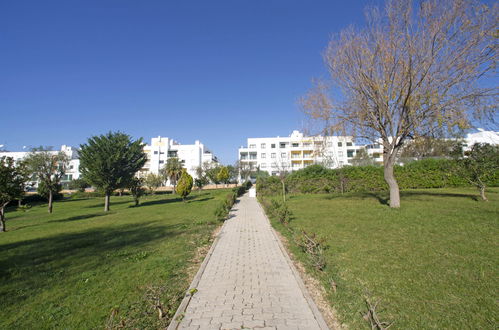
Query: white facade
276, 154
162, 148
482, 136
72, 171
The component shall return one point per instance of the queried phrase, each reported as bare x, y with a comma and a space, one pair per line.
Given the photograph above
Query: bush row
427, 173
223, 209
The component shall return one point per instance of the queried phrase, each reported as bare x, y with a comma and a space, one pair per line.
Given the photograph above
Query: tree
362, 158
425, 147
245, 170
233, 173
201, 182
281, 165
153, 181
79, 184
223, 174
410, 72
184, 186
136, 189
172, 171
12, 179
48, 168
212, 174
110, 162
479, 165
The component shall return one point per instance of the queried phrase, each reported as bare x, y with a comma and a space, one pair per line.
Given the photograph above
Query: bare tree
282, 167
412, 71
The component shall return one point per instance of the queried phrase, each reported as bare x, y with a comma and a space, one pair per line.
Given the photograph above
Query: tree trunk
2, 219
392, 182
136, 202
482, 193
19, 202
51, 197
283, 191
106, 202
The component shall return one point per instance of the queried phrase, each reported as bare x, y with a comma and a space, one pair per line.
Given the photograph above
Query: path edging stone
195, 281
310, 301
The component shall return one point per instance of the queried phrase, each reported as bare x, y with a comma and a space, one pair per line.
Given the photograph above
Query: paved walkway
248, 282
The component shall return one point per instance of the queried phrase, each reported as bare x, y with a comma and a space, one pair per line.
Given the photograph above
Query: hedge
427, 173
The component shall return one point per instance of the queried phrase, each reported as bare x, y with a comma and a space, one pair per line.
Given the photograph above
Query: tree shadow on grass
42, 263
80, 217
383, 196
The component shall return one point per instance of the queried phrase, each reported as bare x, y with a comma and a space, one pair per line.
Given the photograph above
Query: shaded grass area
83, 268
431, 264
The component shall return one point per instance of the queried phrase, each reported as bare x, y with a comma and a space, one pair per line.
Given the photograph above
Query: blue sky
217, 71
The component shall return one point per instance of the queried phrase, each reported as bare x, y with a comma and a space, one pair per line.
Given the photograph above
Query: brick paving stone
247, 280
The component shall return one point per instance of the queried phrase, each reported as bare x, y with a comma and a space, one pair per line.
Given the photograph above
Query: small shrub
314, 247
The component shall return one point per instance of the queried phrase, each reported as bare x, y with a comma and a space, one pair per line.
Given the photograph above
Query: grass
81, 268
431, 264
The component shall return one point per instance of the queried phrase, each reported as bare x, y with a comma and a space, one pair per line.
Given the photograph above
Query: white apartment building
482, 136
72, 171
158, 152
162, 148
276, 154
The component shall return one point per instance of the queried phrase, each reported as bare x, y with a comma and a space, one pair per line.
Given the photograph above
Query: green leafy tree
233, 173
362, 158
79, 184
48, 168
153, 181
480, 165
172, 171
136, 189
45, 191
223, 175
12, 179
184, 186
201, 182
212, 174
110, 162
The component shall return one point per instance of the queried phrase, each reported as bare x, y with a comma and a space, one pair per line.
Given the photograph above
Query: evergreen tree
223, 175
136, 189
110, 162
184, 186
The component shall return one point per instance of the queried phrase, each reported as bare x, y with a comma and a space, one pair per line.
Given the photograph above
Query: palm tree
172, 171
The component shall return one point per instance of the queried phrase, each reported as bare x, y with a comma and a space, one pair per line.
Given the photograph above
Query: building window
172, 153
307, 144
272, 155
295, 145
161, 161
244, 156
350, 153
252, 156
262, 145
349, 144
252, 146
282, 144
340, 144
263, 155
330, 144
263, 165
155, 152
340, 153
272, 145
161, 152
283, 155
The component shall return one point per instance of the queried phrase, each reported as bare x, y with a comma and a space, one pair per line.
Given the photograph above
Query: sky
215, 71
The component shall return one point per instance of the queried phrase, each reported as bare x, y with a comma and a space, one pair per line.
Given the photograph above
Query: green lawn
78, 266
433, 263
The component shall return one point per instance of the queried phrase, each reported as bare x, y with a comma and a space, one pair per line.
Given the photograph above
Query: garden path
247, 281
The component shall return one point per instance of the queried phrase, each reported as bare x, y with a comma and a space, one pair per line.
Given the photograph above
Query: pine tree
110, 162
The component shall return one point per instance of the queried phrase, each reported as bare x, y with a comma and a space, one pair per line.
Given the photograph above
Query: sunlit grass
73, 268
432, 264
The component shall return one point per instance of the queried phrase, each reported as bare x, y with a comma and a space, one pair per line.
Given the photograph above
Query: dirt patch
315, 289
